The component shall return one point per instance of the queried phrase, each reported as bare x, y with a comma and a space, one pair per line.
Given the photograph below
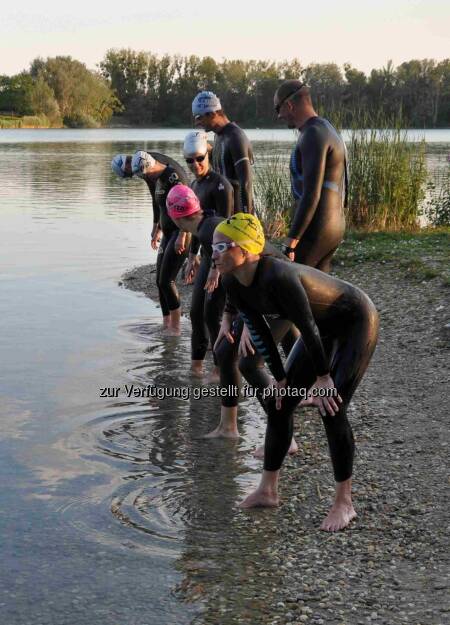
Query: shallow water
113, 509
103, 497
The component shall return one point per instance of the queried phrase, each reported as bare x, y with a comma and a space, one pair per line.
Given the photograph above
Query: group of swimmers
248, 296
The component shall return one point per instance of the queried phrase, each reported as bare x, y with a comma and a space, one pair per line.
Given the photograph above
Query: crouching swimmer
338, 325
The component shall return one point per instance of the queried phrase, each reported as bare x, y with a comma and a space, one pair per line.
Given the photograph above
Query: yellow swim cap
245, 230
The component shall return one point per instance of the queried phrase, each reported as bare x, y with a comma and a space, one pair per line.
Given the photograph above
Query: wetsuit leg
159, 259
315, 253
199, 337
226, 355
253, 367
349, 357
214, 304
170, 266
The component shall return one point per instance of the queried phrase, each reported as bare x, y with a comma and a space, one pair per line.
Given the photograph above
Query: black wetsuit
318, 182
216, 199
168, 262
232, 156
339, 327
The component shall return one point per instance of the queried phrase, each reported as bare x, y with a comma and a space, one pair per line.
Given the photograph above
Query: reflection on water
114, 502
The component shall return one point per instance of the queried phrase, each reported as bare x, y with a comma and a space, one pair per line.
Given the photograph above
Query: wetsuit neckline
308, 121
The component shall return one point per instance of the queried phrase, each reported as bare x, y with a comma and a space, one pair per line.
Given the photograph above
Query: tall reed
387, 180
273, 198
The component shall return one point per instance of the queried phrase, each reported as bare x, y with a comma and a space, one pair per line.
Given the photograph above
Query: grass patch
420, 255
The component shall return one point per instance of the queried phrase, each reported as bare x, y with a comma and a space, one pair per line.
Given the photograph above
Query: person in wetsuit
232, 154
338, 325
318, 179
184, 208
161, 176
215, 196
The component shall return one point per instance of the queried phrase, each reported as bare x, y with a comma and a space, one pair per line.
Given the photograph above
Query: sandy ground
390, 566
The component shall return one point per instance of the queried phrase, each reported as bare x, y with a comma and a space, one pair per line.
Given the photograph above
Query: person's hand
328, 404
180, 244
224, 332
245, 345
191, 269
156, 237
212, 281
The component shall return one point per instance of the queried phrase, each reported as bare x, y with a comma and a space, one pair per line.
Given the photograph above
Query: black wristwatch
286, 249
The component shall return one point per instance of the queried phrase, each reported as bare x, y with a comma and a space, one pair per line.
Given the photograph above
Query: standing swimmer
160, 173
232, 154
318, 179
215, 195
338, 325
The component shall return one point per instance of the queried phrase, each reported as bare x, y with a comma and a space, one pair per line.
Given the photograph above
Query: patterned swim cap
141, 161
205, 102
245, 230
118, 164
182, 201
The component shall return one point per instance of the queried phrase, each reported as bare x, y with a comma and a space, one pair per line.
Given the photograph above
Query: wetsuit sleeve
313, 152
241, 155
151, 188
224, 199
287, 290
195, 245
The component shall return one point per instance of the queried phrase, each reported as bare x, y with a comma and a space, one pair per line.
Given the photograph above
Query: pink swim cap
182, 201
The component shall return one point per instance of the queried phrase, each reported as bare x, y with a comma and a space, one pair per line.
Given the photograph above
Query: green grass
420, 255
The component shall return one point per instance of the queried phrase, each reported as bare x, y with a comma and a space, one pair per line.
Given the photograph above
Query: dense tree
145, 89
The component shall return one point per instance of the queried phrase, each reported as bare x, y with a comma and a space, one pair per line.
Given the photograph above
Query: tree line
144, 89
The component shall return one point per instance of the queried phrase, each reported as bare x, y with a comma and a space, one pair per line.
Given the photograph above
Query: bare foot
259, 451
212, 377
197, 372
338, 517
171, 331
260, 499
221, 432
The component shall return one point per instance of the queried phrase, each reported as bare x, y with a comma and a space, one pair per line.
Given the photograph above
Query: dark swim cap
288, 88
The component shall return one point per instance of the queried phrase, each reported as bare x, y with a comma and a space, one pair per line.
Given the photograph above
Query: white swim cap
195, 142
141, 161
205, 102
118, 164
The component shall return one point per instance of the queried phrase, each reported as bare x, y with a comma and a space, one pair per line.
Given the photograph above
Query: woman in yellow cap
338, 325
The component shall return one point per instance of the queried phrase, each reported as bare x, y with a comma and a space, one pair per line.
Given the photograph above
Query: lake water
110, 505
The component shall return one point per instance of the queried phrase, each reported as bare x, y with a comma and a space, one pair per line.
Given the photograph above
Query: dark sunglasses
280, 104
199, 159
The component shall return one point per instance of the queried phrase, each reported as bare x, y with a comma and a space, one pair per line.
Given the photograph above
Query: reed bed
387, 180
387, 183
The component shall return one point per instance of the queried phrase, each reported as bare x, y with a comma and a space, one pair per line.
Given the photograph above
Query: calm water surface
105, 501
112, 508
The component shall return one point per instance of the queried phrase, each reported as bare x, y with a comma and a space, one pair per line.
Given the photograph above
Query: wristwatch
286, 249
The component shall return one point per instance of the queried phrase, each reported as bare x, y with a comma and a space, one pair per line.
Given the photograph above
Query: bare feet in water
221, 432
340, 515
261, 499
259, 451
172, 331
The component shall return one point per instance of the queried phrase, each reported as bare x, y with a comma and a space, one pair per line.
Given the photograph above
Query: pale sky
365, 33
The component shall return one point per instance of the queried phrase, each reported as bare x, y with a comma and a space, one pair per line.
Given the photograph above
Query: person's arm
313, 152
241, 155
224, 198
155, 207
288, 292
